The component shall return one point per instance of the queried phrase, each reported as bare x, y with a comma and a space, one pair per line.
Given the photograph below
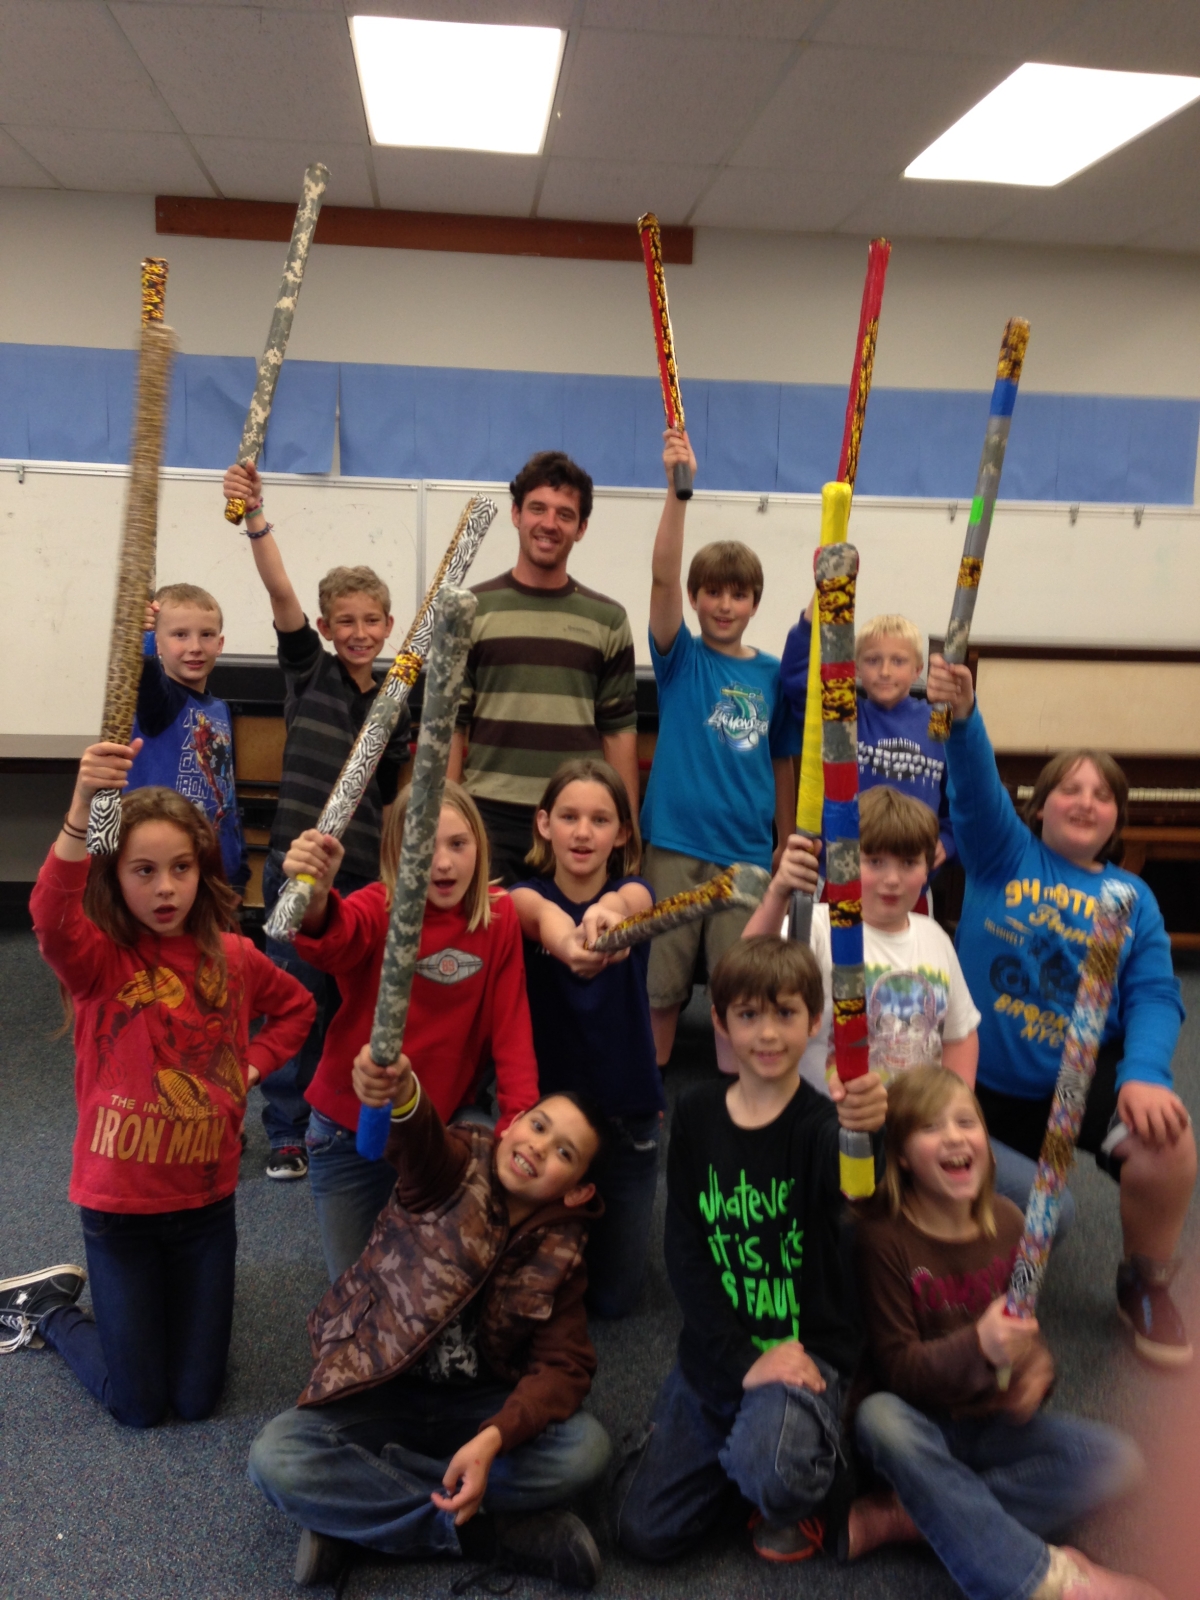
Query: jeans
348, 1191
364, 1468
619, 1243
285, 1114
778, 1446
985, 1491
1014, 1179
162, 1294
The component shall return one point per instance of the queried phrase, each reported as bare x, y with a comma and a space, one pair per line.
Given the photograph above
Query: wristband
74, 833
267, 527
401, 1113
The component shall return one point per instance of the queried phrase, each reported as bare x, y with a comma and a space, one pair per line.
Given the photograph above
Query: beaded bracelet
267, 527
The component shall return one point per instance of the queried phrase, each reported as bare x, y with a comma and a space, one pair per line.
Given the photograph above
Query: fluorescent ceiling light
1044, 124
456, 85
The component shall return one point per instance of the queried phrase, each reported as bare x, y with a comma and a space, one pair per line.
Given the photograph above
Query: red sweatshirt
468, 1004
161, 1051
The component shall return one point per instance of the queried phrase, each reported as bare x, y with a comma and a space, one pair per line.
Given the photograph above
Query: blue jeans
364, 1468
162, 1294
777, 1446
619, 1243
285, 1114
986, 1491
1014, 1179
348, 1191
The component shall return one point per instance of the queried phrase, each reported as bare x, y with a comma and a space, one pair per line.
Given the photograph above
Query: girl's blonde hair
626, 858
916, 1098
476, 901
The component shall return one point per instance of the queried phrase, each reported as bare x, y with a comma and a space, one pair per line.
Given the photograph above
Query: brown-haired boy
327, 699
723, 775
754, 1253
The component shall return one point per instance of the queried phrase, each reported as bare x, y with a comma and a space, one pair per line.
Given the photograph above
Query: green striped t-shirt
550, 671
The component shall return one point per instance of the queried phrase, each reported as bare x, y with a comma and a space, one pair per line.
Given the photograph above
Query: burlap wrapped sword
443, 685
135, 571
740, 887
380, 721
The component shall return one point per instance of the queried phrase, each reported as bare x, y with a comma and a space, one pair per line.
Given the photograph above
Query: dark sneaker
25, 1300
1145, 1305
290, 1161
320, 1559
549, 1544
794, 1541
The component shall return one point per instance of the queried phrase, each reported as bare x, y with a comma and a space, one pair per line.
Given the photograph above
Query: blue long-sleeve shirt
894, 747
1023, 934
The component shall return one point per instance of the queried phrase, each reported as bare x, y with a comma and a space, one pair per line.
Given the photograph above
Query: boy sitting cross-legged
328, 697
754, 1252
453, 1357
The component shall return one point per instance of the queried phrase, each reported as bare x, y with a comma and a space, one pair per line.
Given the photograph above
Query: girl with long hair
163, 992
591, 1013
467, 1014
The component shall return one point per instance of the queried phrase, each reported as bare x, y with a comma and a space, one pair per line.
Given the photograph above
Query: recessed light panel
456, 85
1044, 124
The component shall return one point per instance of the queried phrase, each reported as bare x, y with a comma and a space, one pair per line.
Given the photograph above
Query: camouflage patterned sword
738, 887
254, 430
380, 722
443, 685
135, 571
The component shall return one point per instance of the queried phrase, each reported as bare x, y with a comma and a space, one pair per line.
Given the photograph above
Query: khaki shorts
673, 955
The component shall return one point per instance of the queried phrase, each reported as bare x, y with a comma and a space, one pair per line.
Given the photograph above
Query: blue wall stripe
69, 404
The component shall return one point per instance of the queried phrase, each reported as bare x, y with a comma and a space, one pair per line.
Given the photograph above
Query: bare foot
877, 1519
1099, 1583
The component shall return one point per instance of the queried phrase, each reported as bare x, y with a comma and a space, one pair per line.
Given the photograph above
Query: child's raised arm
989, 834
244, 483
551, 927
666, 562
103, 766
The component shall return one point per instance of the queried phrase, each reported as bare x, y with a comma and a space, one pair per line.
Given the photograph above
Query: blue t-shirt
1027, 914
593, 1034
721, 722
189, 747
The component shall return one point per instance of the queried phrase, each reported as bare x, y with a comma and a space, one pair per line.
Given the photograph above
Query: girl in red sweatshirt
163, 995
468, 1009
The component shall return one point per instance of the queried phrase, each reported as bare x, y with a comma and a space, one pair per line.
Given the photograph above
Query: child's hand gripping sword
837, 571
740, 887
443, 684
254, 430
135, 571
656, 281
384, 713
1076, 1071
835, 518
983, 504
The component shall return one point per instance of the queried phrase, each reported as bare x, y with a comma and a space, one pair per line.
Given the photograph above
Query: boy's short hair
890, 624
338, 582
553, 469
761, 970
188, 594
895, 824
591, 1112
726, 563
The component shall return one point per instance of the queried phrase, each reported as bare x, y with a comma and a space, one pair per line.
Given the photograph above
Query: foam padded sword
664, 344
740, 887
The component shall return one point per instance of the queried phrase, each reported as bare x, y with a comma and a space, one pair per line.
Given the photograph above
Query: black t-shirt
756, 1241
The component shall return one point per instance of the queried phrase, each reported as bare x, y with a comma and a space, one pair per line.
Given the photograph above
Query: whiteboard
1102, 578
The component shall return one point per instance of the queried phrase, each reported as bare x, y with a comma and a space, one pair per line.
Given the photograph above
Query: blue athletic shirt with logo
721, 722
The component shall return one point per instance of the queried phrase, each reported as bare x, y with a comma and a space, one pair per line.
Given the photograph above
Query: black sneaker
320, 1559
289, 1161
1145, 1305
25, 1300
549, 1544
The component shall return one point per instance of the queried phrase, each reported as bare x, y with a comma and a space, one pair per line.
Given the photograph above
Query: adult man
550, 674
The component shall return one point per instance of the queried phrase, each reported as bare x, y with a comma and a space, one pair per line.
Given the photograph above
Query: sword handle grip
684, 482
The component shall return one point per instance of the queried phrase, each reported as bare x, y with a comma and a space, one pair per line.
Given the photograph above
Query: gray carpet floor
90, 1510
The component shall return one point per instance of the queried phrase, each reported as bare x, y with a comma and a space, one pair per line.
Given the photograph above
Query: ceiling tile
906, 206
760, 197
949, 27
636, 96
64, 65
509, 13
455, 180
1131, 36
273, 169
845, 110
619, 191
249, 5
1183, 233
765, 19
250, 73
119, 163
18, 169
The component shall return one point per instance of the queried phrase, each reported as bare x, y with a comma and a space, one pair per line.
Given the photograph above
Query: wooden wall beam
416, 230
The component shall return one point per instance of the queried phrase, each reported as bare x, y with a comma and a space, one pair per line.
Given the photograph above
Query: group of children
837, 1378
